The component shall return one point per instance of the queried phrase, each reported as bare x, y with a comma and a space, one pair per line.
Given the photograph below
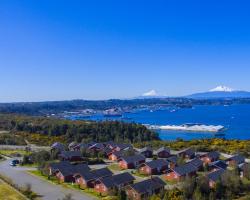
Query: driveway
47, 190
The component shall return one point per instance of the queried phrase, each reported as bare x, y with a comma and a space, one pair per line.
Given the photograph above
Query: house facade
210, 157
180, 172
110, 185
162, 152
154, 167
145, 189
131, 162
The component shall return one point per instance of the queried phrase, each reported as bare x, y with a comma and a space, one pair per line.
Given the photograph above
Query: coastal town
138, 174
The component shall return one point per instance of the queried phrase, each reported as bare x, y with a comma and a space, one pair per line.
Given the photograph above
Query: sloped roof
238, 159
59, 165
69, 169
163, 149
196, 162
117, 180
188, 152
69, 154
145, 149
185, 169
95, 174
102, 172
215, 176
156, 163
218, 164
213, 155
148, 185
107, 150
132, 159
97, 145
172, 159
58, 145
72, 144
118, 154
124, 146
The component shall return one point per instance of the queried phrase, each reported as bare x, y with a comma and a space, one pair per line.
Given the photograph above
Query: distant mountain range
220, 92
215, 93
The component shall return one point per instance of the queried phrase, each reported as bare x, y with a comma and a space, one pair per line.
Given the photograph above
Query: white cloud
150, 93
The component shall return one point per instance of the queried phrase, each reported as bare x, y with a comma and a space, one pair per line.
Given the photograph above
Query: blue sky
54, 50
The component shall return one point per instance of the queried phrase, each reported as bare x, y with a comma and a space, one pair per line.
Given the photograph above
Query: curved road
47, 190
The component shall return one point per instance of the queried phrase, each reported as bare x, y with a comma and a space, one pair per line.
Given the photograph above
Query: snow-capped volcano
222, 89
150, 93
221, 92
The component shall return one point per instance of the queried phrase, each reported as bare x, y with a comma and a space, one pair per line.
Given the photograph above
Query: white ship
189, 127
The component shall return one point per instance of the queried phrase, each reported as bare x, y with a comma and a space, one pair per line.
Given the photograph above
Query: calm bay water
236, 118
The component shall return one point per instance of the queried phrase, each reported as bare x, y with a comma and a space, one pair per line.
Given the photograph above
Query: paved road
48, 191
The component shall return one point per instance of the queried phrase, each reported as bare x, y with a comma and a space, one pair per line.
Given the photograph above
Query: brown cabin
114, 156
154, 167
131, 162
108, 185
162, 152
86, 179
145, 189
180, 172
210, 157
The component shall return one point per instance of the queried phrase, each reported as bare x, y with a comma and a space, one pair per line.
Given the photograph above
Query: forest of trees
78, 130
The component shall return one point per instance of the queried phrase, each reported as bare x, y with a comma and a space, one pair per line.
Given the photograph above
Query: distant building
162, 152
96, 147
147, 152
58, 146
210, 157
70, 156
235, 160
187, 153
116, 155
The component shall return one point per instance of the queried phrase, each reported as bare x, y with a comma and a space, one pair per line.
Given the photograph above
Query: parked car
13, 163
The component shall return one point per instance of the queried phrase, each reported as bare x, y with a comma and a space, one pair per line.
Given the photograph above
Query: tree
197, 194
246, 171
174, 194
122, 195
188, 187
155, 197
203, 186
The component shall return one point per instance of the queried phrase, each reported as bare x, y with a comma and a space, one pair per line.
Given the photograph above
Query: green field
8, 193
10, 152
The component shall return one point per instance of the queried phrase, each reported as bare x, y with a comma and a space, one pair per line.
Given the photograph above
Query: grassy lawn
114, 167
8, 193
173, 182
136, 173
9, 153
53, 180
